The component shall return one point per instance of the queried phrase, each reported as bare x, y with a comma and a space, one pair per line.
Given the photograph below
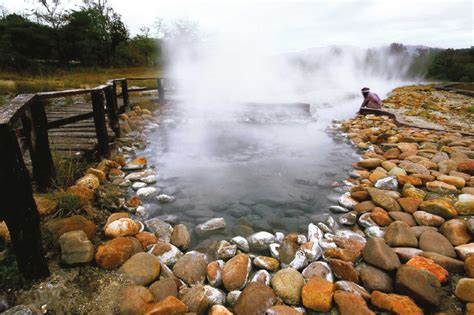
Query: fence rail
18, 208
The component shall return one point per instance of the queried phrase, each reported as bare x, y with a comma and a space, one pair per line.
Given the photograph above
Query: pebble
262, 276
137, 185
287, 284
261, 240
147, 192
165, 198
211, 225
241, 243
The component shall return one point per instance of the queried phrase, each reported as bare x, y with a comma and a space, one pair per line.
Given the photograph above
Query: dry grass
68, 170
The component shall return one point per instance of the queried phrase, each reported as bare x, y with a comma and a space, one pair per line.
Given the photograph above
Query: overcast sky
296, 25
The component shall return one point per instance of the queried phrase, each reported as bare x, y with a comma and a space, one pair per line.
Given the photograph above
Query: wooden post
112, 110
161, 91
99, 122
18, 208
126, 98
44, 172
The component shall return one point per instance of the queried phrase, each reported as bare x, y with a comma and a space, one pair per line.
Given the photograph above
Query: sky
294, 25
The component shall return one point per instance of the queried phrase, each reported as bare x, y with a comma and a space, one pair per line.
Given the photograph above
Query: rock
402, 216
191, 268
255, 299
398, 234
456, 232
225, 250
318, 269
45, 205
136, 300
137, 164
344, 270
160, 228
396, 171
407, 253
411, 167
89, 180
287, 284
351, 287
166, 253
384, 200
346, 201
137, 185
260, 240
397, 304
214, 273
76, 248
369, 163
418, 230
439, 207
419, 284
409, 204
380, 216
410, 191
348, 218
211, 225
465, 204
146, 239
441, 187
467, 167
219, 310
165, 198
142, 268
197, 300
377, 253
456, 181
431, 241
122, 227
169, 305
338, 209
350, 303
375, 279
115, 252
469, 265
163, 288
232, 297
448, 263
464, 250
312, 251
365, 206
147, 192
428, 219
236, 272
241, 243
268, 263
262, 276
407, 179
57, 227
317, 294
429, 265
387, 183
282, 310
464, 290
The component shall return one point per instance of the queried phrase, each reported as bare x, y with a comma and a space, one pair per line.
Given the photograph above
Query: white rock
225, 250
326, 244
465, 197
261, 240
214, 296
218, 280
314, 233
165, 198
388, 183
279, 236
301, 239
314, 252
374, 231
138, 185
232, 297
346, 201
211, 225
241, 243
125, 183
299, 262
464, 250
338, 209
170, 257
134, 176
328, 275
262, 276
274, 250
150, 179
147, 192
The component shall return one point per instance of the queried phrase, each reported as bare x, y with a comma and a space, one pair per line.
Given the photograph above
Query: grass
470, 109
13, 83
68, 170
68, 203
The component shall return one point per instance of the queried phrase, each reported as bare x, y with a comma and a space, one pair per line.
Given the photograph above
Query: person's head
365, 91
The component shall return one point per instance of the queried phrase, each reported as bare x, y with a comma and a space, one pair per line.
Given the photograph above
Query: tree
50, 12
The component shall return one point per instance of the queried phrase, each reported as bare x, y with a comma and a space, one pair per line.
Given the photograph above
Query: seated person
371, 100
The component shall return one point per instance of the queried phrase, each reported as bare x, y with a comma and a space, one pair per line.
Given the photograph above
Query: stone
380, 216
146, 239
456, 181
398, 234
169, 305
441, 187
191, 268
122, 227
447, 166
197, 299
89, 180
164, 198
428, 219
268, 263
214, 273
365, 206
403, 216
166, 253
466, 167
344, 270
236, 271
282, 310
412, 192
114, 253
211, 225
45, 205
287, 284
465, 204
412, 168
439, 207
350, 303
163, 288
456, 232
385, 201
351, 287
379, 254
142, 268
387, 183
431, 241
409, 204
464, 250
469, 265
225, 250
407, 179
465, 290
429, 265
261, 240
136, 164
369, 163
407, 253
360, 195
262, 276
346, 201
419, 284
317, 294
57, 227
241, 243
136, 300
219, 310
76, 248
255, 299
418, 230
147, 192
161, 229
397, 304
375, 279
319, 269
448, 263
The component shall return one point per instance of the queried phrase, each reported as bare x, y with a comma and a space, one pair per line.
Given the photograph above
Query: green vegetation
453, 65
68, 203
68, 170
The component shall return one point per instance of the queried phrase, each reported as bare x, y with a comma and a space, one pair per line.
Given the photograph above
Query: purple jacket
372, 101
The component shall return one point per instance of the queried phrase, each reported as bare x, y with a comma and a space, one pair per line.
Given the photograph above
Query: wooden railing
17, 205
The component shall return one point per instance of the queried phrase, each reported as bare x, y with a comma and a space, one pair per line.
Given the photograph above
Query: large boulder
57, 227
419, 284
287, 284
379, 254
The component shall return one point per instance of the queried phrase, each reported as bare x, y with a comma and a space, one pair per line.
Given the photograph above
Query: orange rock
364, 206
409, 204
134, 202
141, 161
376, 175
317, 294
58, 227
344, 270
467, 167
120, 160
89, 180
86, 194
469, 308
219, 310
342, 254
405, 179
282, 310
97, 173
45, 205
168, 306
114, 253
360, 195
136, 300
469, 265
398, 304
429, 265
380, 216
351, 303
146, 239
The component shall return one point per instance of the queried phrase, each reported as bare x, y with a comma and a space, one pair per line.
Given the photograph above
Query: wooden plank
100, 123
18, 209
112, 109
57, 94
125, 97
141, 89
13, 110
69, 120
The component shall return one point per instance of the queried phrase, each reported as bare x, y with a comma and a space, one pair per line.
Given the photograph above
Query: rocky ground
424, 105
399, 241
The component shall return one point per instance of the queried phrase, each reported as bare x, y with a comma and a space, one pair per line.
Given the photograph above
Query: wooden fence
17, 206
